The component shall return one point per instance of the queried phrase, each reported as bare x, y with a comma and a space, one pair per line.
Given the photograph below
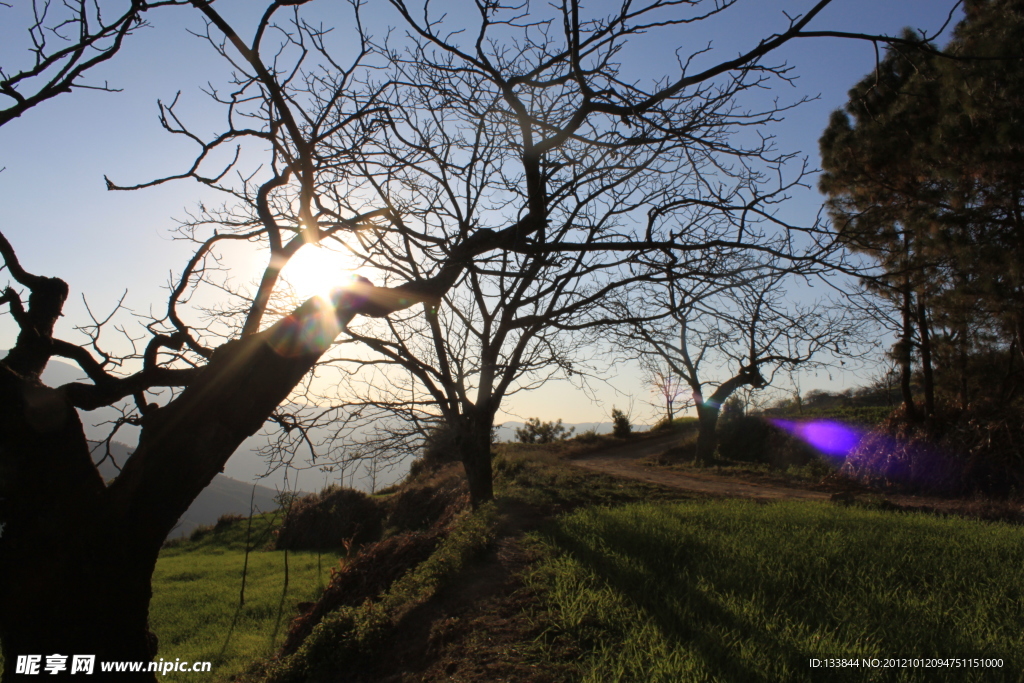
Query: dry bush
422, 516
364, 577
415, 508
224, 521
439, 449
329, 520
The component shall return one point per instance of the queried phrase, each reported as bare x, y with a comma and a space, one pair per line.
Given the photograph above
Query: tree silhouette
512, 116
922, 169
64, 41
730, 329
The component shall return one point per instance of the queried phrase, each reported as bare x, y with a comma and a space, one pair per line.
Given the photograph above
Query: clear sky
63, 222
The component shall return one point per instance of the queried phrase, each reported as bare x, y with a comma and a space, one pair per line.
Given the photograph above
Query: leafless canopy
65, 40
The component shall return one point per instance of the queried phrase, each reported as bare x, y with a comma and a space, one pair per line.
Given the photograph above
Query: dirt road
624, 461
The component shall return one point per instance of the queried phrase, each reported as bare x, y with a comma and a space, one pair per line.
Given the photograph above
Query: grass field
196, 586
740, 591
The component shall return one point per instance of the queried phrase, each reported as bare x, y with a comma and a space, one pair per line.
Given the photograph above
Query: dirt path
624, 461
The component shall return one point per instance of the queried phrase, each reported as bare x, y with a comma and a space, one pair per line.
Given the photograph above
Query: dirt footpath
623, 461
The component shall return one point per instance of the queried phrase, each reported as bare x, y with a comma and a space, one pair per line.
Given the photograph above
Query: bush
752, 439
621, 426
330, 520
732, 409
535, 431
224, 521
416, 508
438, 449
958, 452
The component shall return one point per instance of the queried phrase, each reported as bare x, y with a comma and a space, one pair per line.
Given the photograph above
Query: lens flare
878, 458
316, 270
832, 438
309, 330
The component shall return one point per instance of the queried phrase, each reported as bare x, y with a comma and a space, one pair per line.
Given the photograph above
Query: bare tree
64, 41
76, 555
516, 116
733, 331
667, 385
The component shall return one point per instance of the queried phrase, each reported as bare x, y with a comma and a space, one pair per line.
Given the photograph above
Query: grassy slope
196, 586
626, 582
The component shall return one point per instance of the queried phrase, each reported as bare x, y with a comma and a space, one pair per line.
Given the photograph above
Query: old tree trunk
473, 442
76, 556
708, 410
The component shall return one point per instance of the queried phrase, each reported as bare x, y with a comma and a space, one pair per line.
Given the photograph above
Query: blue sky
63, 222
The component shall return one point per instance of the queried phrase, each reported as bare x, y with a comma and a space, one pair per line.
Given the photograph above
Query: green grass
195, 607
763, 472
739, 591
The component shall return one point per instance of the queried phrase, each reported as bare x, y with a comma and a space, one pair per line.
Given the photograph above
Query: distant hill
507, 430
223, 496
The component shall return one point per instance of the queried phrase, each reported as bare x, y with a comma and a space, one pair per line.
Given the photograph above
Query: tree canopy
923, 170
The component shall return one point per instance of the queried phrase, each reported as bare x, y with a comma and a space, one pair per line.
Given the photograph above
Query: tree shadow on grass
729, 645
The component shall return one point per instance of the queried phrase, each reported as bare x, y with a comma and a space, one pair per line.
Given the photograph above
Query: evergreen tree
923, 172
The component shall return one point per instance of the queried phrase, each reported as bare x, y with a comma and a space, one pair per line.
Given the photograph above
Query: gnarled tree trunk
76, 557
707, 437
473, 441
708, 410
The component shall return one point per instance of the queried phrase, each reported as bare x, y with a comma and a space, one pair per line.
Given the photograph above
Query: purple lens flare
829, 437
873, 456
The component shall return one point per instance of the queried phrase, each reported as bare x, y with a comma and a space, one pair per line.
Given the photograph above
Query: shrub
535, 431
415, 508
621, 426
958, 452
732, 409
439, 448
662, 425
752, 439
329, 520
227, 520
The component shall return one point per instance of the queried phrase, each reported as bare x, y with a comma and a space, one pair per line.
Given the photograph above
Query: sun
316, 270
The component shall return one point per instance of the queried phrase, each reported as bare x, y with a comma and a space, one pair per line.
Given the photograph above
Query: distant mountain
223, 496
